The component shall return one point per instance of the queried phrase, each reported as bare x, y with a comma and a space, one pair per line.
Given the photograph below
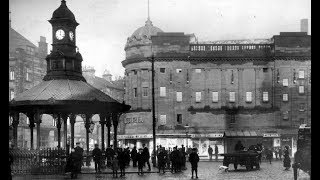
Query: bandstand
64, 92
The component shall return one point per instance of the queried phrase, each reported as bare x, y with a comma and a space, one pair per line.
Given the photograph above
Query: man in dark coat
216, 151
280, 153
97, 157
210, 150
146, 155
133, 154
194, 159
79, 159
161, 160
122, 162
127, 156
286, 160
9, 166
141, 161
109, 155
73, 164
173, 158
239, 146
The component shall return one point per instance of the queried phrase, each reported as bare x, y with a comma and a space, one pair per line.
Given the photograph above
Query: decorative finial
63, 2
148, 11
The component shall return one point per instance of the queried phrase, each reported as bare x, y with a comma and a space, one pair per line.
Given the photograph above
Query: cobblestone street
207, 171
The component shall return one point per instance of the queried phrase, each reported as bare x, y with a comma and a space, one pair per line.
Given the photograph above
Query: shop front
247, 139
135, 140
271, 140
203, 141
172, 140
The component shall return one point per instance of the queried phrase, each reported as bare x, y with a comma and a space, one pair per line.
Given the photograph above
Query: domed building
216, 92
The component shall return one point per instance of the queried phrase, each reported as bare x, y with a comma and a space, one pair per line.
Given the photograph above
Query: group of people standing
216, 152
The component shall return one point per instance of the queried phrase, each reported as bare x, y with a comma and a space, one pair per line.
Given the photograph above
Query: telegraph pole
153, 108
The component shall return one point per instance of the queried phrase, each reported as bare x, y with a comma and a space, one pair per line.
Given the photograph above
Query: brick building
255, 90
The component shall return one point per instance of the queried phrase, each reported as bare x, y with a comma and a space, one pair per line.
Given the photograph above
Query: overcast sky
106, 24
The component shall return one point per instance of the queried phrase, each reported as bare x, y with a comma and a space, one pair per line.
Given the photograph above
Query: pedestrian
146, 155
79, 151
97, 157
259, 150
168, 159
269, 154
122, 162
141, 161
210, 150
161, 160
276, 152
115, 166
127, 156
9, 166
73, 164
286, 160
216, 151
239, 146
133, 154
173, 158
194, 159
280, 153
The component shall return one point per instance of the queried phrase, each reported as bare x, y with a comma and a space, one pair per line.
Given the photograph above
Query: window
11, 94
301, 74
28, 76
265, 70
265, 97
198, 70
285, 115
179, 96
232, 96
285, 97
232, 119
248, 96
145, 91
198, 96
285, 82
58, 64
179, 118
301, 121
215, 97
163, 119
301, 107
162, 70
11, 75
54, 122
162, 91
134, 72
301, 89
134, 92
178, 70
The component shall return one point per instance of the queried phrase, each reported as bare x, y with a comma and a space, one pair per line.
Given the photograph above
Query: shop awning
241, 134
137, 136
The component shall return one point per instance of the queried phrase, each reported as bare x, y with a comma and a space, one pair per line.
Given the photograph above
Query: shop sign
271, 135
133, 120
216, 135
138, 136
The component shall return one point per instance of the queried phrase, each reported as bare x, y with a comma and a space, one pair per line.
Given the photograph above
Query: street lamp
187, 131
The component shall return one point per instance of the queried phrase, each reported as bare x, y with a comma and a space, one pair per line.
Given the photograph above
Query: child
141, 161
194, 159
115, 166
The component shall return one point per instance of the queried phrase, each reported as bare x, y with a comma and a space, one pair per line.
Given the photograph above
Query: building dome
63, 12
142, 36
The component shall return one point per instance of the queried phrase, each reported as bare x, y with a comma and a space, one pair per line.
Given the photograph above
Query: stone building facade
250, 90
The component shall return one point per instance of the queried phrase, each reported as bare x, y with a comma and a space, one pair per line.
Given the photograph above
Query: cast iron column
15, 122
72, 122
59, 128
38, 121
108, 124
65, 130
153, 109
31, 126
87, 126
102, 122
115, 128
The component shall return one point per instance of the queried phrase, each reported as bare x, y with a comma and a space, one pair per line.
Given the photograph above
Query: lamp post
187, 131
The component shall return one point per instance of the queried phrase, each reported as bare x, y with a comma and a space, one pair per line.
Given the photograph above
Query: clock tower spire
64, 61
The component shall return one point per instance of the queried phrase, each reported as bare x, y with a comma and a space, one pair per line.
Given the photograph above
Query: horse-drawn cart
249, 159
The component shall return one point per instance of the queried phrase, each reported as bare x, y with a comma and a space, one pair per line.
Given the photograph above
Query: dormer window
57, 64
69, 65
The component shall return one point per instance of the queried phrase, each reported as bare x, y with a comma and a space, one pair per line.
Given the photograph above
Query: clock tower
64, 61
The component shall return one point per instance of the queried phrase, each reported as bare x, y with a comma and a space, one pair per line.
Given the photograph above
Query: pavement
206, 171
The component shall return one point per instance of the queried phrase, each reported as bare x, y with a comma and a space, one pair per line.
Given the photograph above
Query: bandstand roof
66, 95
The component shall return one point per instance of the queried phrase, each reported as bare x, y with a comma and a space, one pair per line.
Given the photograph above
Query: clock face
71, 35
60, 34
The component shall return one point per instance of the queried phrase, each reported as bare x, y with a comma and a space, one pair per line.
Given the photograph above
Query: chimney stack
304, 25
